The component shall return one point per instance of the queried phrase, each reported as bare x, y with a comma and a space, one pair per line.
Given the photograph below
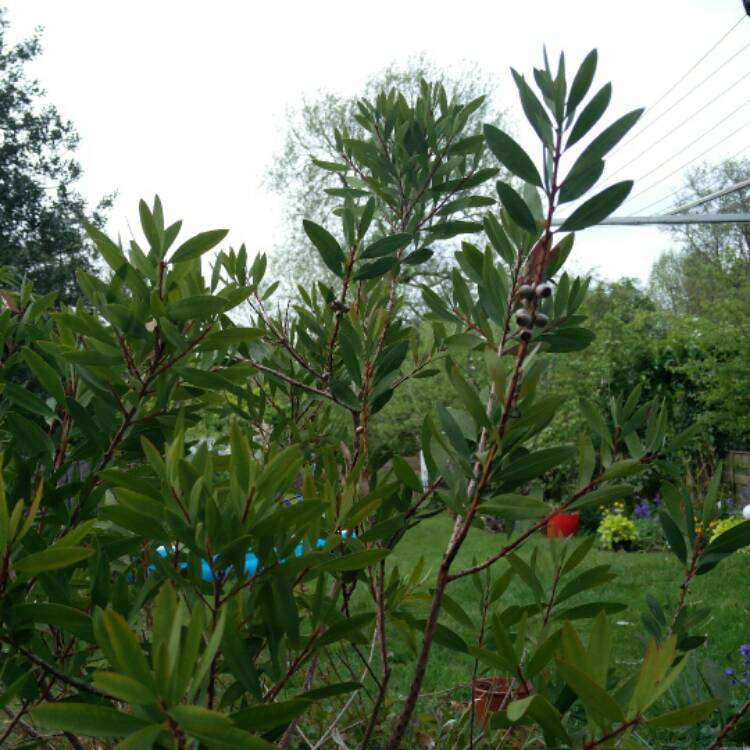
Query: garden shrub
160, 590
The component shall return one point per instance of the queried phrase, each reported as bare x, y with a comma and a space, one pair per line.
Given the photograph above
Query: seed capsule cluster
525, 317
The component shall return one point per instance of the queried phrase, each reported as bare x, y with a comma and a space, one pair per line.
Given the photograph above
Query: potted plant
563, 524
617, 532
491, 694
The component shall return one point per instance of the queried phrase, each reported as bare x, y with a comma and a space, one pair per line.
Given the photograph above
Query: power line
692, 143
687, 164
683, 77
684, 122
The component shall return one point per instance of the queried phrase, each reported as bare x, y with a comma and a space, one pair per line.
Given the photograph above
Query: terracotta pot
490, 694
563, 524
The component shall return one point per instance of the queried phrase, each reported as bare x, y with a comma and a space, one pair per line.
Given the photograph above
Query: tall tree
41, 212
708, 274
311, 192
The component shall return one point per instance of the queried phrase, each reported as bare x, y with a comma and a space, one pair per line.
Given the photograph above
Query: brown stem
476, 488
729, 726
685, 585
591, 744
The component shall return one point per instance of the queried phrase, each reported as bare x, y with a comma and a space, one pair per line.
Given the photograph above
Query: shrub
615, 528
174, 592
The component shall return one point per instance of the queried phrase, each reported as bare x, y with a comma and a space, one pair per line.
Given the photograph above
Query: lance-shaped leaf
598, 208
377, 268
591, 114
386, 245
595, 698
516, 207
582, 82
198, 245
86, 719
511, 155
327, 245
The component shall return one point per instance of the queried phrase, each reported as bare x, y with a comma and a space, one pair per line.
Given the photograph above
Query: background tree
708, 274
311, 192
40, 210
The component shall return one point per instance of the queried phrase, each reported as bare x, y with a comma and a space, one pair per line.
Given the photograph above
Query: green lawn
726, 590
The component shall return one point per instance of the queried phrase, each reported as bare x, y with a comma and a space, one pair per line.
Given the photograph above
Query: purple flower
657, 500
641, 510
729, 672
745, 652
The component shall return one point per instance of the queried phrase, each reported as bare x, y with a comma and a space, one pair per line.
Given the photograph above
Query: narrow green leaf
582, 82
511, 155
598, 208
198, 245
53, 558
326, 244
516, 207
591, 114
86, 719
386, 245
354, 561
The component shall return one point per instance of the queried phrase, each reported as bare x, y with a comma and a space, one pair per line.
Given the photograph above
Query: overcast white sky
188, 98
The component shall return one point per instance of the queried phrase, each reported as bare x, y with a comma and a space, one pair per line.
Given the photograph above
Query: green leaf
229, 337
712, 493
346, 627
86, 719
331, 691
535, 464
111, 252
625, 467
444, 230
516, 207
330, 166
571, 339
123, 688
45, 374
262, 718
609, 137
52, 558
354, 561
591, 114
686, 716
542, 712
533, 110
60, 615
377, 268
517, 507
418, 256
511, 155
674, 537
199, 307
582, 82
386, 245
326, 244
603, 496
143, 739
595, 698
580, 181
215, 730
598, 208
127, 649
26, 400
196, 246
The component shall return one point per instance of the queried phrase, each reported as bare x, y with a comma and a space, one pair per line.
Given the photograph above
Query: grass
725, 590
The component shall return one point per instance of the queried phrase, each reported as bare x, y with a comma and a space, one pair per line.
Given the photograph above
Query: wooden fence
737, 474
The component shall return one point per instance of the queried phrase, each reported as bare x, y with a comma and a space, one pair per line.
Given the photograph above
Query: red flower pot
563, 524
491, 694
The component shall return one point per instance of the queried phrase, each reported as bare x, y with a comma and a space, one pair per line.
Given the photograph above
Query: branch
729, 726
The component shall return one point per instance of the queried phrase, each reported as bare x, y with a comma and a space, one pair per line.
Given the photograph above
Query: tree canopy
41, 211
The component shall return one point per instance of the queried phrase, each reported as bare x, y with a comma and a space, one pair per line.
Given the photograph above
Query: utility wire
683, 77
687, 164
692, 143
677, 127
